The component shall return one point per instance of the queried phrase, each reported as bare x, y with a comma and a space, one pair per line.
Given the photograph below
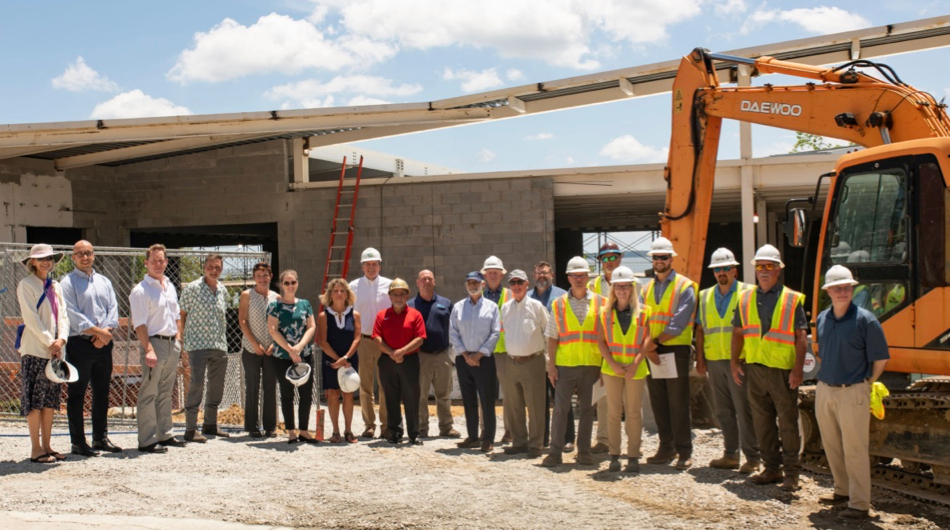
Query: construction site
293, 188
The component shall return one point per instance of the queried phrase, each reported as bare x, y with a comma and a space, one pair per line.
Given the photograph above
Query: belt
162, 337
843, 385
367, 336
521, 359
443, 350
83, 337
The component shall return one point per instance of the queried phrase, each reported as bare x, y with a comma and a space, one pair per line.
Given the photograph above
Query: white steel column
748, 193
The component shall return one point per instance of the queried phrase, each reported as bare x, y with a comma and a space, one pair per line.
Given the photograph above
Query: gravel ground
375, 485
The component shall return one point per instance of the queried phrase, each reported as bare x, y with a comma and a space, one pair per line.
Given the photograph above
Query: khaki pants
435, 370
369, 357
154, 410
603, 433
732, 409
624, 395
524, 387
844, 421
215, 363
571, 379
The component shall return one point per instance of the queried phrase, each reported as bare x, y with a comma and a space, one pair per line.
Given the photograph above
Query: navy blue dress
340, 340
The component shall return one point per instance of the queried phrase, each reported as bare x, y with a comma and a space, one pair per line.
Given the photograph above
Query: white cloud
474, 81
312, 93
79, 77
731, 7
275, 43
628, 149
485, 156
569, 160
819, 20
136, 104
539, 136
513, 74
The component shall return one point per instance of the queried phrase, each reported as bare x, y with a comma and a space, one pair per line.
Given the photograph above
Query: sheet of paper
666, 369
600, 392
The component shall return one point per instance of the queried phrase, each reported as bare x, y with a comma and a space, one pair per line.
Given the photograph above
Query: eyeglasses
661, 258
290, 283
83, 254
608, 259
767, 267
722, 269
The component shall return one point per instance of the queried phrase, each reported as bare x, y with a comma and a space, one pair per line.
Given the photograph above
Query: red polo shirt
397, 330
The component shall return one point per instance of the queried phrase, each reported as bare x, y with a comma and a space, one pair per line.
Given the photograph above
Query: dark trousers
569, 434
477, 384
771, 400
287, 393
669, 399
400, 383
94, 365
258, 374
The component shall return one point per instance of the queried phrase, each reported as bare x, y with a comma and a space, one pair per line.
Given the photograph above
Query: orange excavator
886, 216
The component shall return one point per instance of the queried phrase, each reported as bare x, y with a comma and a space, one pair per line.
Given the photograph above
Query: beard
723, 280
473, 292
542, 284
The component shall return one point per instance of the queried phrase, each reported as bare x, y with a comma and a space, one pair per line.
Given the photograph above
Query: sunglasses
290, 283
608, 259
47, 258
83, 254
767, 267
516, 282
661, 258
722, 269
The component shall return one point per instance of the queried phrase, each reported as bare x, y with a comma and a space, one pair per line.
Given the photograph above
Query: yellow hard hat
398, 283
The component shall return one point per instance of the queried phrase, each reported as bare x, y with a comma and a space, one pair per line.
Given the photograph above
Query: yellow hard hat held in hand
878, 393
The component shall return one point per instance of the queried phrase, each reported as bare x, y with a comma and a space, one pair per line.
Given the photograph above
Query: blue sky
67, 61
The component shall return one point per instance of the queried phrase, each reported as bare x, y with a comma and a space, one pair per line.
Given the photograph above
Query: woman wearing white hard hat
624, 341
41, 339
291, 325
339, 332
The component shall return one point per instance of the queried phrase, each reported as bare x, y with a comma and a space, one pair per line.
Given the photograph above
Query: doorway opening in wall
52, 235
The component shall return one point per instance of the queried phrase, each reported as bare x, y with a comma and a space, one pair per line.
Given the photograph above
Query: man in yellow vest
494, 271
769, 327
610, 258
574, 360
717, 306
671, 298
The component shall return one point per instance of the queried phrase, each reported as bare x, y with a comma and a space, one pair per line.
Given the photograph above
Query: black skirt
36, 390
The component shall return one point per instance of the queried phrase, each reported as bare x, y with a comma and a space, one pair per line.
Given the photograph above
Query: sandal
351, 438
56, 455
43, 459
335, 439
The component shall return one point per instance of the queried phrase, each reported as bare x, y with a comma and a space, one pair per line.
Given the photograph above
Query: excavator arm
841, 102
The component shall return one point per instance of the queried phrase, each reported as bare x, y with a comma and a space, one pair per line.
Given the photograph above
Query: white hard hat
578, 264
859, 256
661, 245
723, 257
768, 253
348, 378
622, 275
298, 374
841, 250
493, 262
838, 275
60, 371
370, 254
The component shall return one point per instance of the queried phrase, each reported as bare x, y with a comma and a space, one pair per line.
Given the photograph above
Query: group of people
609, 336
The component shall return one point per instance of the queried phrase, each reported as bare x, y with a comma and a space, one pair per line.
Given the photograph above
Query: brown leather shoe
487, 447
369, 433
833, 499
767, 477
534, 452
195, 436
213, 430
552, 460
661, 458
683, 463
469, 443
600, 448
750, 466
515, 450
452, 433
584, 459
853, 514
507, 438
790, 483
726, 462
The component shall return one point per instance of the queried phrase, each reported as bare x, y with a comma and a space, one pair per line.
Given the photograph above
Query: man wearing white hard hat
769, 330
671, 298
573, 361
372, 296
853, 354
717, 307
494, 271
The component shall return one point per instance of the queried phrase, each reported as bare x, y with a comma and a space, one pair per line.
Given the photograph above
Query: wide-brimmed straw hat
41, 251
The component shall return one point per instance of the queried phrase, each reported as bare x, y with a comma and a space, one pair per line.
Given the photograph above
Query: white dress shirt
155, 307
371, 298
524, 323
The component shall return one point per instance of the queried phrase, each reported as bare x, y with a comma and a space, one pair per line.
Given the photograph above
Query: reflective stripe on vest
775, 349
596, 285
662, 313
500, 345
717, 330
624, 347
577, 344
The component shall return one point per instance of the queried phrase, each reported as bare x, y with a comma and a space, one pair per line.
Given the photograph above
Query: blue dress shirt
90, 302
474, 327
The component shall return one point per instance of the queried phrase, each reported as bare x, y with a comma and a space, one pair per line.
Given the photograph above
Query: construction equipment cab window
870, 219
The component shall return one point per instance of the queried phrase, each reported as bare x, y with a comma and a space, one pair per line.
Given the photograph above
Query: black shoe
270, 434
172, 442
154, 448
515, 450
394, 440
415, 441
106, 445
311, 441
255, 433
83, 450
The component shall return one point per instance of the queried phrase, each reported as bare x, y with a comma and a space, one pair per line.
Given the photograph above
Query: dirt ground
373, 484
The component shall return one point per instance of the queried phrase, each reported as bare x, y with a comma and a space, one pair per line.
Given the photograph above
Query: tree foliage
805, 142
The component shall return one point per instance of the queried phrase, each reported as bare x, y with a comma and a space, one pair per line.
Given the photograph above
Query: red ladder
338, 257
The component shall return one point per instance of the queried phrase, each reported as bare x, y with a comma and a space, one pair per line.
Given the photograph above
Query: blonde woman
290, 323
339, 333
624, 340
45, 331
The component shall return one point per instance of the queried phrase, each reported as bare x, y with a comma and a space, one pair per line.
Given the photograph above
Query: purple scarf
51, 296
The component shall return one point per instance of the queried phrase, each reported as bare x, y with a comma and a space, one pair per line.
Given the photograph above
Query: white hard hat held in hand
298, 374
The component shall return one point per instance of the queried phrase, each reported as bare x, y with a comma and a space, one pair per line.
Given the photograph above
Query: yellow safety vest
894, 297
776, 349
500, 345
577, 343
662, 313
624, 347
717, 330
595, 285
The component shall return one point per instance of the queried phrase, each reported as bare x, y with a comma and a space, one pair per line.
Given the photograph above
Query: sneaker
767, 477
584, 459
833, 499
600, 448
853, 514
614, 464
551, 460
726, 462
195, 436
684, 463
750, 466
633, 465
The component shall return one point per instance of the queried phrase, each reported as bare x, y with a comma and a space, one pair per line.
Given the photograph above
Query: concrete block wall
33, 193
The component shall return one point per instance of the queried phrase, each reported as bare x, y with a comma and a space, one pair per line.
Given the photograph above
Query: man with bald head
93, 315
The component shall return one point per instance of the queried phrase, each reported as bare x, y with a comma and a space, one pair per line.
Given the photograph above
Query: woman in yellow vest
623, 336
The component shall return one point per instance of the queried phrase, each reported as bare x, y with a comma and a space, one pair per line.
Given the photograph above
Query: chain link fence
125, 267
